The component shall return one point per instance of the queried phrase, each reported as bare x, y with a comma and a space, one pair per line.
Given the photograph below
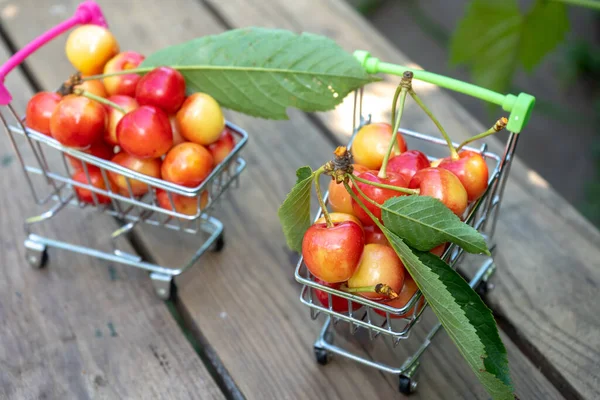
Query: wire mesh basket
384, 322
49, 169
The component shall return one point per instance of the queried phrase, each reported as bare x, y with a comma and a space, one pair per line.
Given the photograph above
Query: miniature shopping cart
482, 215
48, 173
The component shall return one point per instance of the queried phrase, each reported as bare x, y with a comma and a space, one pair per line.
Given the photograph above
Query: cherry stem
453, 152
91, 96
380, 288
320, 197
360, 191
384, 186
383, 171
498, 126
362, 205
117, 73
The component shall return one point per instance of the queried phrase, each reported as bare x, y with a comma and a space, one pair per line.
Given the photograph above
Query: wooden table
83, 328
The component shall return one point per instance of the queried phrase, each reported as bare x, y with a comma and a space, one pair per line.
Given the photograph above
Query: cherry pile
351, 253
145, 123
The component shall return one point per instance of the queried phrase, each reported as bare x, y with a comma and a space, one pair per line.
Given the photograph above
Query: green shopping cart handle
519, 107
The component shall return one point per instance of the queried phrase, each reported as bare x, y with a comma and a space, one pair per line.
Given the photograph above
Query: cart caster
322, 356
219, 244
407, 385
164, 286
36, 254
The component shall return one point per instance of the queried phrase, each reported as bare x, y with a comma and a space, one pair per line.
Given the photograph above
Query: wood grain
244, 300
548, 253
81, 328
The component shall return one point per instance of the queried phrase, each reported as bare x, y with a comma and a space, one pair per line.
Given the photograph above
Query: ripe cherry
332, 254
379, 195
340, 217
122, 84
149, 166
371, 144
96, 180
145, 132
78, 121
39, 111
222, 147
408, 163
163, 87
200, 119
114, 116
187, 164
439, 250
338, 304
374, 235
472, 171
99, 149
339, 199
89, 47
94, 87
442, 185
408, 291
183, 204
378, 264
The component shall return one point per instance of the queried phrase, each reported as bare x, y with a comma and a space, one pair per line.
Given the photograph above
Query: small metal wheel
164, 286
36, 254
407, 385
219, 243
322, 356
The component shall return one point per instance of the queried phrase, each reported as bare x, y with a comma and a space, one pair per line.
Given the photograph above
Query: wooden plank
81, 328
263, 329
540, 236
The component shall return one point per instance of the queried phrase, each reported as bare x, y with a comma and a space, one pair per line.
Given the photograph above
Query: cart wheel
164, 286
219, 244
407, 385
483, 288
36, 254
322, 356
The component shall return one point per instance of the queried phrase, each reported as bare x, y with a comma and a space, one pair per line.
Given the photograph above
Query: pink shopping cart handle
88, 12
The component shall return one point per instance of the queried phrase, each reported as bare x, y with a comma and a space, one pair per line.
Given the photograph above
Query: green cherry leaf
462, 313
294, 212
261, 72
425, 222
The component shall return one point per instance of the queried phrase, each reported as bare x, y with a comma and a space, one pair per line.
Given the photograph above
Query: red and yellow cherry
163, 87
200, 119
39, 110
114, 116
374, 235
377, 194
339, 199
94, 87
472, 171
222, 147
339, 217
408, 163
187, 164
408, 291
145, 132
332, 254
183, 204
378, 264
149, 166
122, 84
177, 138
78, 121
89, 47
371, 144
98, 149
442, 185
96, 180
338, 304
